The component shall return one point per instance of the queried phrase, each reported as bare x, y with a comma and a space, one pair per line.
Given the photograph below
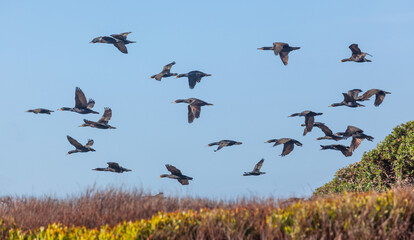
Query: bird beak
67, 153
60, 109
177, 77
330, 106
174, 102
27, 111
260, 49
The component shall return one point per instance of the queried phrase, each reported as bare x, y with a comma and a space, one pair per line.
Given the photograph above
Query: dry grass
388, 215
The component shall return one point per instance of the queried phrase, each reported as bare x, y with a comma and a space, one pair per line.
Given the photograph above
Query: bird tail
294, 48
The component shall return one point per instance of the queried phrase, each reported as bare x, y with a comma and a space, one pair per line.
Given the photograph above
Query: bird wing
285, 57
309, 121
277, 47
191, 115
173, 170
113, 165
287, 148
75, 143
121, 36
183, 181
121, 47
258, 166
324, 129
91, 103
347, 97
379, 97
106, 116
193, 79
369, 94
355, 49
89, 143
352, 130
196, 110
355, 143
168, 67
80, 99
354, 93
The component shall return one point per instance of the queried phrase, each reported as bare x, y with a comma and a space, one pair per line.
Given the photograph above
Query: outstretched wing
355, 49
277, 47
91, 103
168, 67
80, 99
355, 143
89, 143
121, 36
113, 165
173, 170
347, 97
191, 115
352, 130
193, 79
183, 181
309, 121
121, 47
285, 57
287, 148
106, 116
75, 143
324, 128
258, 166
379, 97
369, 94
196, 110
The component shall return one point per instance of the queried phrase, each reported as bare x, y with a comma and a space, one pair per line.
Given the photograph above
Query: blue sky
46, 54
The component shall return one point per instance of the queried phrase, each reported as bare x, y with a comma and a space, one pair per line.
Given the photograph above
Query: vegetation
390, 165
387, 215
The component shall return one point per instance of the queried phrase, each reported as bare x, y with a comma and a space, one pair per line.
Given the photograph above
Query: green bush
390, 165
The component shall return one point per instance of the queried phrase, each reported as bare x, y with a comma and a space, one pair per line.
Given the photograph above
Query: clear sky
45, 54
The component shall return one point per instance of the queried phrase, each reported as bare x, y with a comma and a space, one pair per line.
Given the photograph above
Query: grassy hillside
390, 165
387, 215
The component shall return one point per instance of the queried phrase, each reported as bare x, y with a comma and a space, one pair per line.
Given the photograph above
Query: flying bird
165, 72
309, 119
194, 107
281, 49
102, 123
81, 106
256, 169
288, 144
345, 150
357, 135
379, 96
118, 40
350, 99
176, 174
357, 55
193, 77
224, 143
40, 110
79, 147
113, 167
327, 131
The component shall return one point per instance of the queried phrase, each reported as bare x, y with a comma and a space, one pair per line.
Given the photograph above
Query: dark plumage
357, 55
102, 123
79, 147
256, 170
281, 49
350, 99
193, 77
165, 72
40, 110
345, 150
113, 167
118, 40
328, 132
357, 136
194, 107
81, 106
309, 119
176, 174
379, 96
223, 143
288, 144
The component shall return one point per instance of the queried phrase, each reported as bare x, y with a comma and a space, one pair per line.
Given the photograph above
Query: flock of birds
351, 99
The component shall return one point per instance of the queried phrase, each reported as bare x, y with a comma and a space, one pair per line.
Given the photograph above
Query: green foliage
390, 165
388, 215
